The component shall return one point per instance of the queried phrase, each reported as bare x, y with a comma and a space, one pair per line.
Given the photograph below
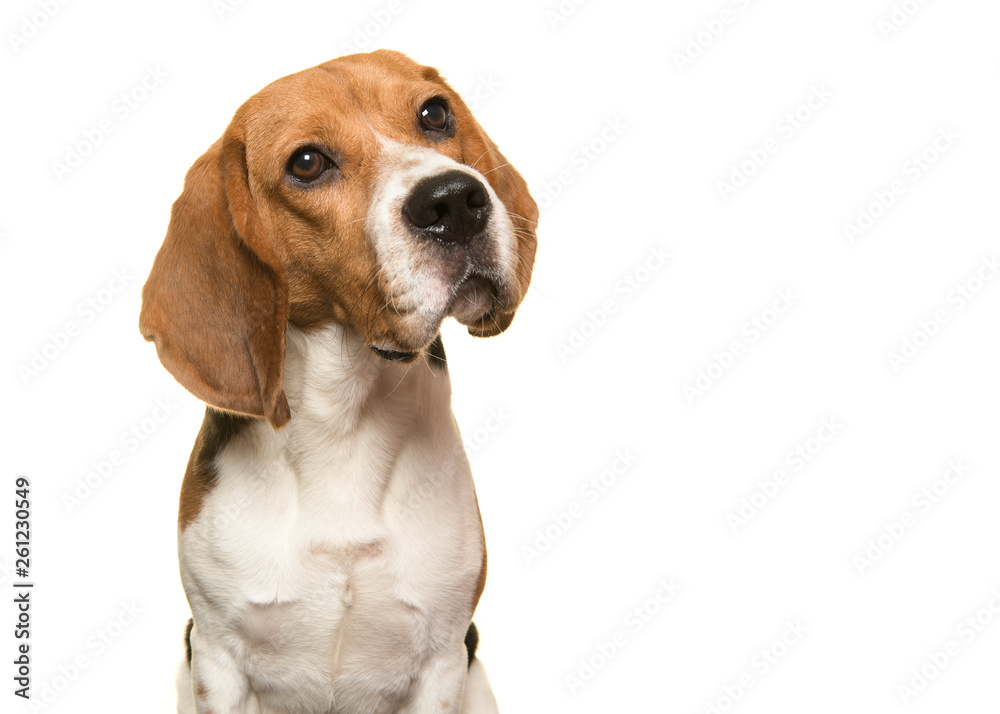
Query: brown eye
434, 115
308, 165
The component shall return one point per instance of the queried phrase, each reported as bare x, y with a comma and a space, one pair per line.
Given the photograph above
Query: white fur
414, 282
478, 696
333, 566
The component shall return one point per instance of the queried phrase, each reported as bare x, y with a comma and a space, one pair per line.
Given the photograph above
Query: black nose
452, 207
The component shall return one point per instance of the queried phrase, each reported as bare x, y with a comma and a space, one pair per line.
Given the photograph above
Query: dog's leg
185, 692
439, 685
216, 683
478, 697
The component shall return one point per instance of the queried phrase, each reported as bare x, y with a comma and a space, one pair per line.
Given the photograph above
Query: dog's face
390, 207
360, 192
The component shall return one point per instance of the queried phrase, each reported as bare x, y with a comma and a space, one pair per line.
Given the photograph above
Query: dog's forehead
360, 95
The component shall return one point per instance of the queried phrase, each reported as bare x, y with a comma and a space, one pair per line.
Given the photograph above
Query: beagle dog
330, 541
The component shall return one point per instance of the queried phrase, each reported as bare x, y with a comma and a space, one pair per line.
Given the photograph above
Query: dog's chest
344, 626
341, 632
333, 587
331, 561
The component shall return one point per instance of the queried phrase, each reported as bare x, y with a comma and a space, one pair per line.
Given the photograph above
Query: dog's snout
452, 207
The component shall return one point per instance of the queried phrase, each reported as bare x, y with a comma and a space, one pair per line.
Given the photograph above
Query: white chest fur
333, 559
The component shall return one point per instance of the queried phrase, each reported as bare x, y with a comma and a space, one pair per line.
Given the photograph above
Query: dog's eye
307, 165
434, 115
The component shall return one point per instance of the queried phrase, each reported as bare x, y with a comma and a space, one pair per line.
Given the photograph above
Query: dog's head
360, 192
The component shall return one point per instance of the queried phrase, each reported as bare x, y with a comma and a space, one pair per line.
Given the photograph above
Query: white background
548, 88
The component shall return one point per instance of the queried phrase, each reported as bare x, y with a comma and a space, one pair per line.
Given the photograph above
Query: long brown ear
216, 301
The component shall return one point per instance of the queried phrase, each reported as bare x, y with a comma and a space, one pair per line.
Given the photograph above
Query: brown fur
246, 252
217, 430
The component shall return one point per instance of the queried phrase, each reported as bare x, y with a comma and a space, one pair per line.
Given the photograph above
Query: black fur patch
217, 429
435, 354
471, 641
187, 639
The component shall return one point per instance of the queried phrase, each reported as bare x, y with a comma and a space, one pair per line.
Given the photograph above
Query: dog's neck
362, 430
352, 405
334, 382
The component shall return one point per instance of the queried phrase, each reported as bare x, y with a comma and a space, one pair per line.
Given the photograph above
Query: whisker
480, 157
350, 313
517, 215
495, 168
371, 281
402, 377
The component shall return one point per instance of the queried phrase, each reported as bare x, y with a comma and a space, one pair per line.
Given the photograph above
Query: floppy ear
512, 190
216, 301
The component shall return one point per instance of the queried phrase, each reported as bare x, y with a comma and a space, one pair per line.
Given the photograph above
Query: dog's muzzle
449, 216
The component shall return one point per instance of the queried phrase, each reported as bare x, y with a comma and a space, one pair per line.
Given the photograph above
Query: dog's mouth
471, 302
394, 355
